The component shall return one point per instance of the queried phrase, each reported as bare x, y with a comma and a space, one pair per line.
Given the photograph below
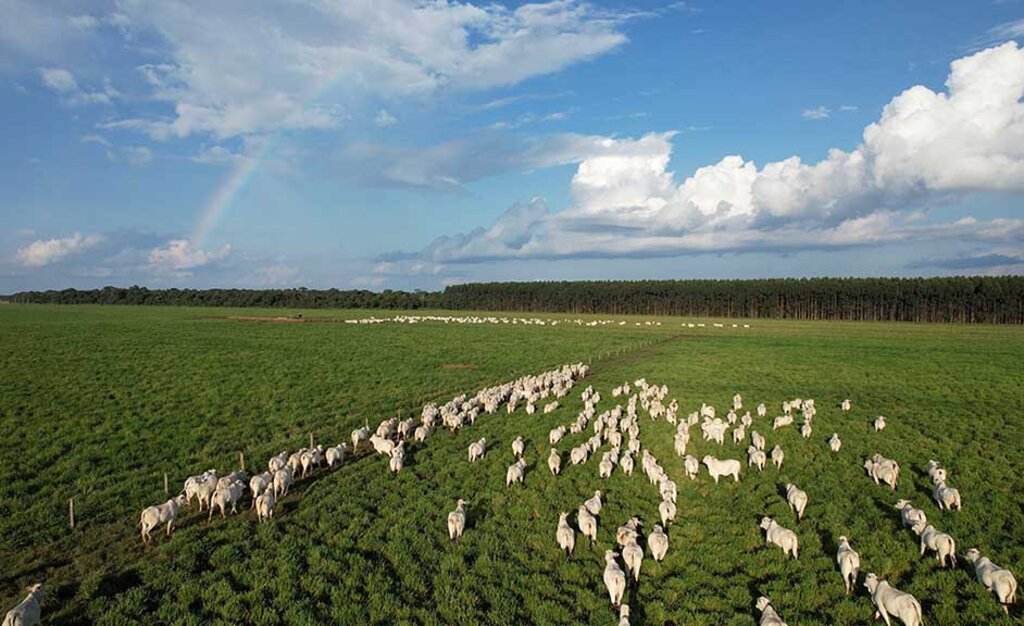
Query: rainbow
226, 192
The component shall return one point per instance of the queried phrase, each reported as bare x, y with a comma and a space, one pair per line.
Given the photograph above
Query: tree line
960, 299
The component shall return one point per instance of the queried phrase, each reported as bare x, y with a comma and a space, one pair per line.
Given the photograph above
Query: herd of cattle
521, 321
618, 429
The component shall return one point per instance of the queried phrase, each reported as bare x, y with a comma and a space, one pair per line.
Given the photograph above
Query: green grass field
98, 403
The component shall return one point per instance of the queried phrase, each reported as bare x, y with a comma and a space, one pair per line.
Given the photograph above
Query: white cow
782, 537
778, 456
756, 458
554, 462
194, 484
282, 481
382, 445
946, 497
769, 616
909, 515
336, 455
594, 504
691, 466
890, 601
518, 446
161, 514
757, 440
277, 462
849, 563
311, 458
879, 471
834, 442
225, 496
614, 578
587, 524
565, 535
477, 449
657, 541
879, 423
996, 579
936, 472
29, 611
359, 436
738, 435
782, 421
457, 520
667, 511
396, 462
260, 483
515, 472
942, 544
633, 557
797, 499
265, 504
726, 467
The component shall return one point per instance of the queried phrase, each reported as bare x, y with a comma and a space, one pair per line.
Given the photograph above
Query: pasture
97, 403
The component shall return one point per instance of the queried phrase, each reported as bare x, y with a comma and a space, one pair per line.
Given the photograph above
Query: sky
412, 145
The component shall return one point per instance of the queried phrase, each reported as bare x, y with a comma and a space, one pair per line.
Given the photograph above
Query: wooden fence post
241, 460
310, 441
166, 488
71, 512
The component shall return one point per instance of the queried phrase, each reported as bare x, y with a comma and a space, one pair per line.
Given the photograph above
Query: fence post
166, 489
241, 460
311, 441
71, 512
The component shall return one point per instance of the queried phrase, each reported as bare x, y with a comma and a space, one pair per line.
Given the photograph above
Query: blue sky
418, 144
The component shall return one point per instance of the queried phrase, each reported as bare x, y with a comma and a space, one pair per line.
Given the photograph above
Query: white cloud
817, 113
926, 147
58, 79
849, 108
44, 252
180, 255
233, 68
384, 119
64, 83
218, 155
1001, 32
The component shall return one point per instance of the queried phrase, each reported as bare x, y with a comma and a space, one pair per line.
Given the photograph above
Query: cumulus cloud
232, 68
181, 255
926, 147
44, 252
